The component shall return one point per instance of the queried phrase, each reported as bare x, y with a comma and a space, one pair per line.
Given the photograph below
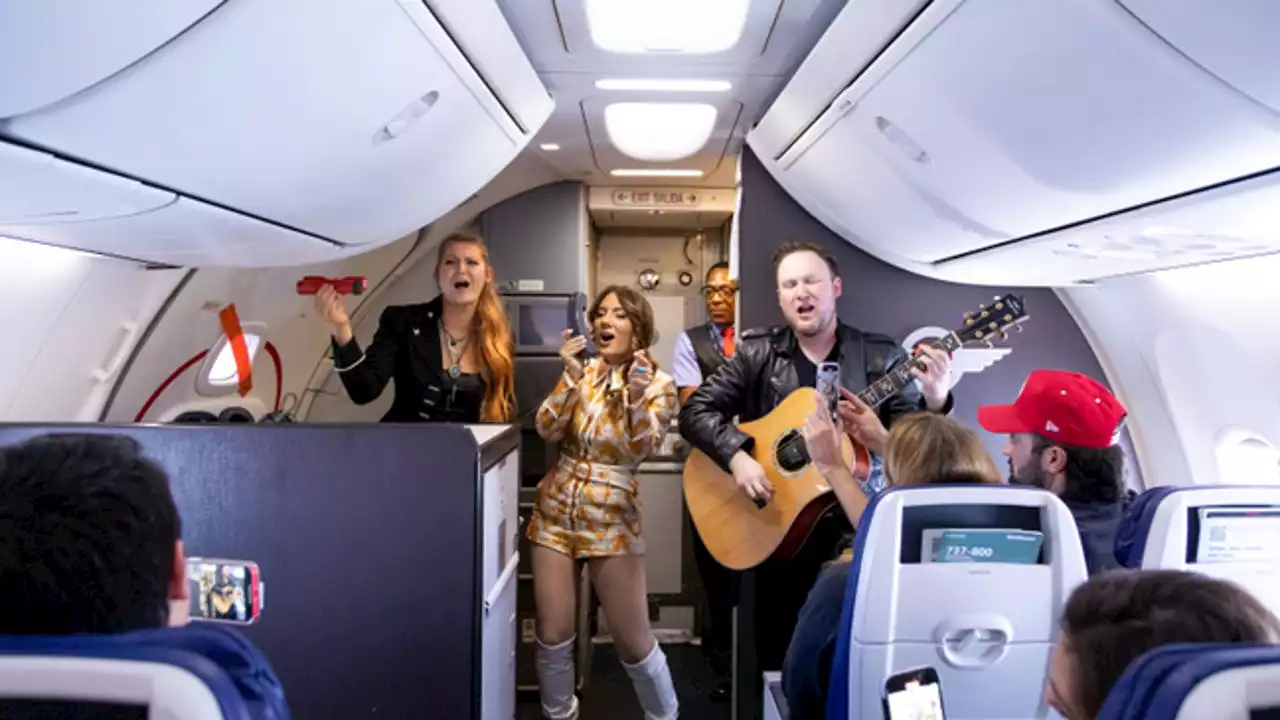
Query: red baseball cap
1058, 405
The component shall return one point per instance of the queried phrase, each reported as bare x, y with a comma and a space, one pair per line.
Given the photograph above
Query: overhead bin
1232, 222
357, 121
986, 121
49, 50
37, 188
482, 33
1234, 40
186, 233
54, 201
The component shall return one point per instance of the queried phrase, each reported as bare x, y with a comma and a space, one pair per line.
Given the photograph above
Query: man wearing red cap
1063, 430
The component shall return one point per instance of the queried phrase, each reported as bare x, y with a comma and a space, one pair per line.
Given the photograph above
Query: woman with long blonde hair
922, 449
608, 414
451, 358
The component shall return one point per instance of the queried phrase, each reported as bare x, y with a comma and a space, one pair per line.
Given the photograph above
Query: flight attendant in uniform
608, 414
700, 351
451, 358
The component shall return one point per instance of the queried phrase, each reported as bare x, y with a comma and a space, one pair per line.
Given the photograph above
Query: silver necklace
455, 347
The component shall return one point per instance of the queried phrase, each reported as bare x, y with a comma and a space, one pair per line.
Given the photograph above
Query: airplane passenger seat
1231, 532
232, 414
235, 414
195, 417
196, 672
986, 624
1192, 681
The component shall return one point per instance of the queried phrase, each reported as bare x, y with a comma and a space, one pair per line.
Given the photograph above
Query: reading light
655, 172
694, 27
549, 147
657, 85
659, 132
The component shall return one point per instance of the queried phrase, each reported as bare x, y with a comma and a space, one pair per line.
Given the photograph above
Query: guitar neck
899, 377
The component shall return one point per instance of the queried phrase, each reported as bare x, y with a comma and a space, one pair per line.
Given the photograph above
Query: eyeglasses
723, 291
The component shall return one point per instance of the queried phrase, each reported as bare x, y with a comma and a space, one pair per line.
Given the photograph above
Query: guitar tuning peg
1004, 336
989, 345
1017, 328
996, 298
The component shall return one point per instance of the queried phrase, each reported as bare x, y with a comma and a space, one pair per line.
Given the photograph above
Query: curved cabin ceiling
663, 91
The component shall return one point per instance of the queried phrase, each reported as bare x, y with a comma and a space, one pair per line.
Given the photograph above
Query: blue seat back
197, 672
1162, 530
987, 628
1189, 681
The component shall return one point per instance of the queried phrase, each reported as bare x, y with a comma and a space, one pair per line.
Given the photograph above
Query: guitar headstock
992, 322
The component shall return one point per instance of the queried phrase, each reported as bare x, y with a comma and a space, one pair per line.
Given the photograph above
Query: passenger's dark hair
792, 247
87, 533
1116, 617
1094, 475
718, 266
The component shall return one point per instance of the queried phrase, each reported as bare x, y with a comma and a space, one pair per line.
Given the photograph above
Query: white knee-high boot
652, 680
557, 680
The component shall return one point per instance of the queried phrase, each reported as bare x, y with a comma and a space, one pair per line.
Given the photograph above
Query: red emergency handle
350, 285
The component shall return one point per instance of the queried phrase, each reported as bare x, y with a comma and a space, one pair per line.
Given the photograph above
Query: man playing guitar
768, 365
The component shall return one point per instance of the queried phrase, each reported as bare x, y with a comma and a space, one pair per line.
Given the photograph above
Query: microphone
350, 285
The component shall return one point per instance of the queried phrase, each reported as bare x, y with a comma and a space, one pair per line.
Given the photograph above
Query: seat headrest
1134, 527
235, 414
196, 417
1158, 684
1133, 534
239, 676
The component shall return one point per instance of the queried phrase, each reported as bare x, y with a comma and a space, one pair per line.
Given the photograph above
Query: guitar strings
871, 395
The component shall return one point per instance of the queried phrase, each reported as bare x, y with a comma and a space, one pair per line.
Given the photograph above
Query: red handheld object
350, 285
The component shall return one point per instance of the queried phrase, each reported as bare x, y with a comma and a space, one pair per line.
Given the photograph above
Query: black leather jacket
406, 349
760, 375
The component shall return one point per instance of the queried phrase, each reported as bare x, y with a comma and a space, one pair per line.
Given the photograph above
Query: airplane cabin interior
198, 198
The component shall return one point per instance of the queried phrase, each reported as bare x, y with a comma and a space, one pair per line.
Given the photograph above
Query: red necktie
728, 342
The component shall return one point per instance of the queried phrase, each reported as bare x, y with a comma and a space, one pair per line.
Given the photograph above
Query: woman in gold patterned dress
608, 415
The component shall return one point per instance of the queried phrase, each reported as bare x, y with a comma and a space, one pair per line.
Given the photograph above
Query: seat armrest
775, 703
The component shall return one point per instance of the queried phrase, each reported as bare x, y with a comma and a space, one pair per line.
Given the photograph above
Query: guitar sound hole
790, 453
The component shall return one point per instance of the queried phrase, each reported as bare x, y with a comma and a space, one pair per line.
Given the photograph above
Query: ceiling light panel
658, 85
659, 132
692, 27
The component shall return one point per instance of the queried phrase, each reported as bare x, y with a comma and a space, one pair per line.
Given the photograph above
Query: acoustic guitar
741, 535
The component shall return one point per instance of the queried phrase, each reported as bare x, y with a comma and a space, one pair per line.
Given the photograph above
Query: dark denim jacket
807, 667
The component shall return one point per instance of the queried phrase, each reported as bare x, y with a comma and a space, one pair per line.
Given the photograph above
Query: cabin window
1246, 458
218, 374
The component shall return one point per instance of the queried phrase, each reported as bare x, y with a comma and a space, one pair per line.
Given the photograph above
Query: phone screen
227, 591
828, 382
913, 695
